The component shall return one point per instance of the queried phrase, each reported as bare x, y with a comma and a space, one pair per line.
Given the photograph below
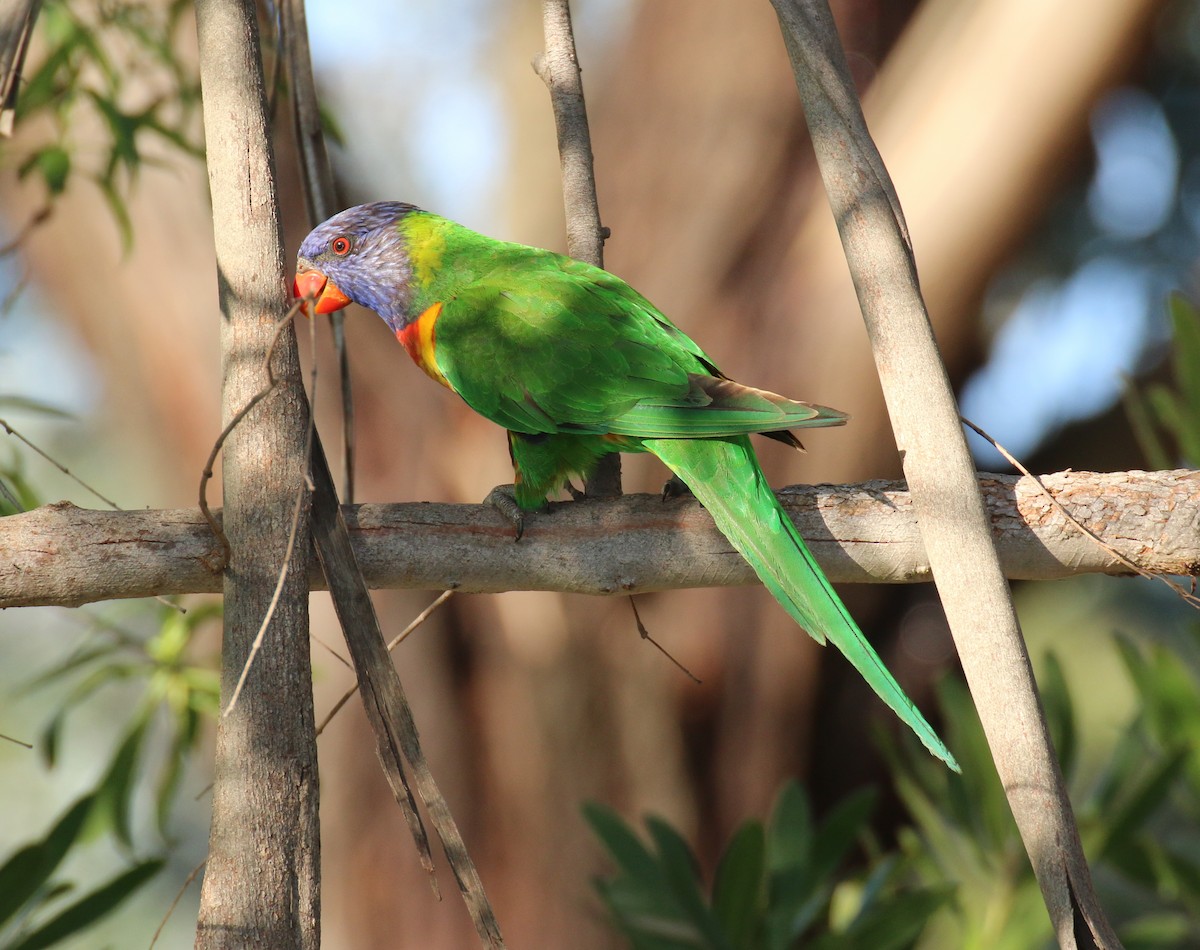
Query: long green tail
725, 475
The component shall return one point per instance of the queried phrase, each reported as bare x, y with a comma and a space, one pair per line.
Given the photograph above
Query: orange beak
314, 284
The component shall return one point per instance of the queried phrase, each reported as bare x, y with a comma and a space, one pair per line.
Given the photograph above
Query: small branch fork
1187, 596
207, 474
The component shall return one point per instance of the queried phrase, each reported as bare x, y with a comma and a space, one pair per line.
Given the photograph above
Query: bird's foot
504, 501
575, 493
675, 487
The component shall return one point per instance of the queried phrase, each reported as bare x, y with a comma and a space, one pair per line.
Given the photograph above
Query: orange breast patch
420, 338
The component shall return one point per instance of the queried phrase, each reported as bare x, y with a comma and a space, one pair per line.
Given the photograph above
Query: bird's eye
340, 246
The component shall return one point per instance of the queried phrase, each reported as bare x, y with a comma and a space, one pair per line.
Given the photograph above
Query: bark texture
262, 881
866, 533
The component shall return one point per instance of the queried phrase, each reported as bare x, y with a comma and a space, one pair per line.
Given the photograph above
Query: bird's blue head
358, 255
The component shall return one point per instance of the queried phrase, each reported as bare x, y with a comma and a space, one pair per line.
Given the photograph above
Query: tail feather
725, 475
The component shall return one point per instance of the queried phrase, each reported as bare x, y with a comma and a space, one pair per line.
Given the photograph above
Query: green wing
540, 343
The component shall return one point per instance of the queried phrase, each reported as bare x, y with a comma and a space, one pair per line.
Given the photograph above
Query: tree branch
558, 67
16, 25
319, 196
938, 467
867, 533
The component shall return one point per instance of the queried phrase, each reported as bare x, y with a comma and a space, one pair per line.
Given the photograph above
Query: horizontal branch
866, 533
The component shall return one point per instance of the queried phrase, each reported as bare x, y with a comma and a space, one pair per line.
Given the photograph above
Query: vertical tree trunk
261, 887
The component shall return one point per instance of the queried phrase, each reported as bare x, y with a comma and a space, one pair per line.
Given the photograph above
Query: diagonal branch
319, 194
16, 26
952, 518
382, 693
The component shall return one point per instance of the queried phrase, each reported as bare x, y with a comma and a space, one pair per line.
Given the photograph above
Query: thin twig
40, 217
16, 503
1187, 596
7, 494
396, 641
59, 465
320, 197
207, 474
331, 650
21, 742
645, 634
301, 494
178, 897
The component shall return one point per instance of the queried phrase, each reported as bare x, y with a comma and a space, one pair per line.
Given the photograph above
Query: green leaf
26, 871
1145, 428
51, 736
896, 923
680, 869
123, 128
1056, 699
114, 794
1131, 818
739, 893
55, 79
120, 212
631, 855
1185, 322
330, 126
89, 909
186, 723
55, 165
73, 663
1173, 414
789, 832
839, 831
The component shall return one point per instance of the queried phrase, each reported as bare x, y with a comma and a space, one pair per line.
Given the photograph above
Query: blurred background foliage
1051, 177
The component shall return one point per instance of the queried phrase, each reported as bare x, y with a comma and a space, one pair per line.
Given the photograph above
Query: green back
541, 343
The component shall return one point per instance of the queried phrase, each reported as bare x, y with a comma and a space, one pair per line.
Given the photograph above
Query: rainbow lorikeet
576, 364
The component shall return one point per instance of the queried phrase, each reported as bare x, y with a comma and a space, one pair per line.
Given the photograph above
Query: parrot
576, 364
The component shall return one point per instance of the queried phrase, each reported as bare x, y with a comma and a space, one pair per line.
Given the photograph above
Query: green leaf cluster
29, 919
959, 876
156, 743
176, 696
1139, 817
777, 886
111, 64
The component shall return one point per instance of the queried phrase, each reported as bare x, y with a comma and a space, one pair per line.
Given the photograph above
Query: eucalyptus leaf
739, 887
89, 909
23, 874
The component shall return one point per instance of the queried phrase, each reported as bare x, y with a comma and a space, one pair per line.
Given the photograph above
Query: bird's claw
575, 493
502, 499
675, 487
